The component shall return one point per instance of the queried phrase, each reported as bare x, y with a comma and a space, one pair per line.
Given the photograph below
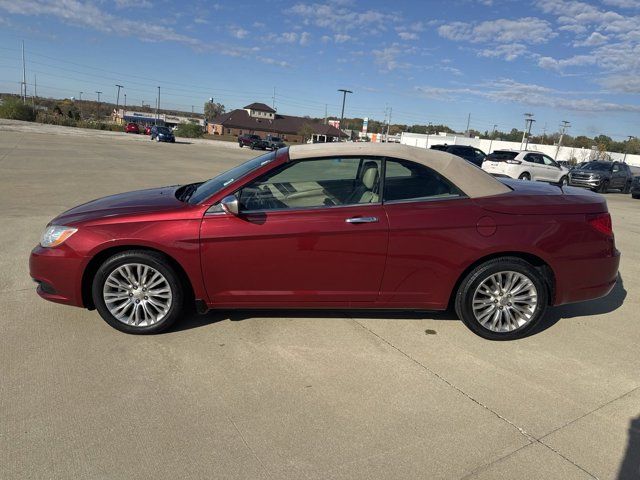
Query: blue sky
429, 61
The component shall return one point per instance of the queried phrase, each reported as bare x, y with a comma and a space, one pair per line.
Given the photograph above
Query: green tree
305, 132
582, 141
14, 109
188, 130
213, 110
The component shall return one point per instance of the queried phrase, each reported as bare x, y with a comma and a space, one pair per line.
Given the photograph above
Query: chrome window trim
426, 200
302, 209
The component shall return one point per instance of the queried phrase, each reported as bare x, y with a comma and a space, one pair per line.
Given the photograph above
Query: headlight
56, 235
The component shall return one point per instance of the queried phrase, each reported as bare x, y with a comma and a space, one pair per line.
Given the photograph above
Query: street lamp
344, 97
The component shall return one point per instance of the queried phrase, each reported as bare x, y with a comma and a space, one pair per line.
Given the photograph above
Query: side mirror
230, 205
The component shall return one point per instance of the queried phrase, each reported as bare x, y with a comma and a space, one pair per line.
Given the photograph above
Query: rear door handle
362, 220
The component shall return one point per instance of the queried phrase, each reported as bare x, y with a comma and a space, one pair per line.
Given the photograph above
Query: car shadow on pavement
630, 466
600, 306
195, 320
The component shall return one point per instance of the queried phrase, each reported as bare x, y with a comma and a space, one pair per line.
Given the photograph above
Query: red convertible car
340, 226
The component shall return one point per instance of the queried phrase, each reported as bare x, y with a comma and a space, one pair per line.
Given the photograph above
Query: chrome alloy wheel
505, 301
137, 294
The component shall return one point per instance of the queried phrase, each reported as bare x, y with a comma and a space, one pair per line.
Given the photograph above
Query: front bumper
58, 273
585, 183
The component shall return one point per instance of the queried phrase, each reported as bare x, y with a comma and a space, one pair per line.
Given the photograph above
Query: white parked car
525, 165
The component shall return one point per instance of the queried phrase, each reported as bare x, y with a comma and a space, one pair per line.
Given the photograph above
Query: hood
130, 203
589, 171
538, 198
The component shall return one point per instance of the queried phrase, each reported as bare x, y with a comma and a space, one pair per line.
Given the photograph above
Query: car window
534, 158
549, 161
501, 155
616, 167
326, 182
406, 180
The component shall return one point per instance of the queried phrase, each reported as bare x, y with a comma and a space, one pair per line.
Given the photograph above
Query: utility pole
98, 95
626, 149
273, 99
35, 91
158, 107
125, 104
344, 97
493, 134
24, 77
468, 122
528, 116
530, 123
544, 132
563, 128
325, 113
388, 124
118, 97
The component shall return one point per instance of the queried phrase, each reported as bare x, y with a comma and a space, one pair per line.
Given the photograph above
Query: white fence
488, 146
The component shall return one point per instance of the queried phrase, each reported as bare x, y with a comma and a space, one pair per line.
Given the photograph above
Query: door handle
362, 220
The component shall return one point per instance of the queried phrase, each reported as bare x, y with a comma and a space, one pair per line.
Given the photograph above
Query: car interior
342, 181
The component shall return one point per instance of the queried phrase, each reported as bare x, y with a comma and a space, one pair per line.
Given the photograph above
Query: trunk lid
537, 198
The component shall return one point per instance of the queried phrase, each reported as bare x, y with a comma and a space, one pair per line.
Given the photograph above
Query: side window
534, 158
549, 161
312, 183
616, 167
406, 180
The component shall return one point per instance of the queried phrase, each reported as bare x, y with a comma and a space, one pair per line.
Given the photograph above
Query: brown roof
260, 106
283, 124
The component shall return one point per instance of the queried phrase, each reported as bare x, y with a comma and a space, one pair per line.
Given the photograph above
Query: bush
188, 130
14, 109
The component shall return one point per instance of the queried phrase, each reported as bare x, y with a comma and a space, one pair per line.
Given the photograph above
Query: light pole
563, 129
530, 123
493, 134
158, 107
80, 97
528, 116
118, 100
344, 97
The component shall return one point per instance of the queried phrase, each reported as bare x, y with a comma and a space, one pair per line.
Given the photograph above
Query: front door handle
362, 220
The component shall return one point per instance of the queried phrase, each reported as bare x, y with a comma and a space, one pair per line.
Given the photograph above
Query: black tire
564, 182
152, 259
240, 144
604, 186
627, 188
524, 176
468, 286
635, 195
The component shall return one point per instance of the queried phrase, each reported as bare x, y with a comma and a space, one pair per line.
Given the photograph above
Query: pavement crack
522, 431
255, 455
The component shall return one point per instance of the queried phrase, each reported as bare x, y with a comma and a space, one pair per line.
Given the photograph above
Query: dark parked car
132, 128
274, 143
252, 141
470, 154
162, 134
601, 176
334, 225
635, 187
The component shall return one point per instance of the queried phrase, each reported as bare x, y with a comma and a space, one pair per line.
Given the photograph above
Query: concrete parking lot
291, 395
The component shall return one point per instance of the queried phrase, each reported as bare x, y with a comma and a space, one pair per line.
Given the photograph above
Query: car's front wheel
524, 176
564, 181
502, 299
604, 186
138, 292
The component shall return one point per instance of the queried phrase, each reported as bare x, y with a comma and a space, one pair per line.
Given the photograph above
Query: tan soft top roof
472, 180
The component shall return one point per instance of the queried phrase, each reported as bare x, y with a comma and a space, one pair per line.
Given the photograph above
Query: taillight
514, 162
601, 222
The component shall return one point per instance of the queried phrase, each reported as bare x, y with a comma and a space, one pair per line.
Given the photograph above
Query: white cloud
341, 38
510, 91
239, 32
389, 58
408, 35
304, 38
132, 4
596, 38
508, 51
289, 37
528, 30
630, 4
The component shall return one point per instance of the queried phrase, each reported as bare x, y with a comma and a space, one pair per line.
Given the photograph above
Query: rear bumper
58, 273
586, 279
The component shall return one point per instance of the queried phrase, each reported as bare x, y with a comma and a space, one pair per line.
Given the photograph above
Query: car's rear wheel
524, 176
604, 186
138, 292
502, 299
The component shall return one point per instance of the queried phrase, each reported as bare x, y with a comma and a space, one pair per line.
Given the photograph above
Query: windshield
210, 187
502, 155
601, 166
163, 130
